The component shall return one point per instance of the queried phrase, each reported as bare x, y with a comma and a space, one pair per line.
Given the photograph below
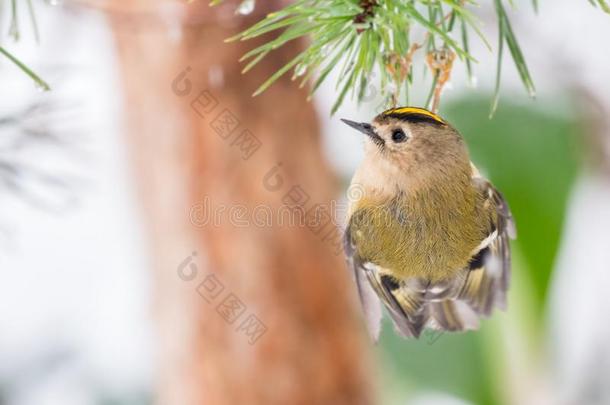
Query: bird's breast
424, 236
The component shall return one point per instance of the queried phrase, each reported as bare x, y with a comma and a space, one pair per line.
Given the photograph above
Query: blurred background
116, 287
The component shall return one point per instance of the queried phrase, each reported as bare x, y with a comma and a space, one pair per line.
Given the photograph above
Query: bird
426, 234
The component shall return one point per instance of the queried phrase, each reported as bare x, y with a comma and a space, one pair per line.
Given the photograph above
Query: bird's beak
366, 129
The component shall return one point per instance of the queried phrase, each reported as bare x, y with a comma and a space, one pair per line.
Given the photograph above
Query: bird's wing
404, 303
368, 298
482, 285
488, 274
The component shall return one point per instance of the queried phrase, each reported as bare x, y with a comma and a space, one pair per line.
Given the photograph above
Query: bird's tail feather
451, 315
412, 310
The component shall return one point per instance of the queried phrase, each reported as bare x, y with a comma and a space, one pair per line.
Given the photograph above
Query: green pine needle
41, 84
506, 32
496, 98
33, 21
15, 34
368, 35
604, 6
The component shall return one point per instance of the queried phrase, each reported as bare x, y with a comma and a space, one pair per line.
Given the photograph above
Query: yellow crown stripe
414, 110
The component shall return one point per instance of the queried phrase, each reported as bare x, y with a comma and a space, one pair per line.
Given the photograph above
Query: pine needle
372, 35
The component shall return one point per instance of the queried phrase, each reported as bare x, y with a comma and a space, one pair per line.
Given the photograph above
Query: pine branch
15, 34
377, 36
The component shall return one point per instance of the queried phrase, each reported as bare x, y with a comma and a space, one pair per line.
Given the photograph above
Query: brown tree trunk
251, 308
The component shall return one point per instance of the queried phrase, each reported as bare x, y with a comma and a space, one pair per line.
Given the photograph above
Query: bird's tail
453, 305
416, 305
452, 315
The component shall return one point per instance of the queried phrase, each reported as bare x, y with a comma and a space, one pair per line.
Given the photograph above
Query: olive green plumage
426, 233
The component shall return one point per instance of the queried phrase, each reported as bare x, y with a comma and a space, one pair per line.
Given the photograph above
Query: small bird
426, 233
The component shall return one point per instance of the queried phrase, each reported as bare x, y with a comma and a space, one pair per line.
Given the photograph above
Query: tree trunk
253, 302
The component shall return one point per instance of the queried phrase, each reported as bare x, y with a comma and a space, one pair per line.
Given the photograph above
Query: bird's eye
398, 135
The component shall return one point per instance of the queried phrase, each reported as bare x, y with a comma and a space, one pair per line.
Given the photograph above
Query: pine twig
15, 33
375, 36
40, 83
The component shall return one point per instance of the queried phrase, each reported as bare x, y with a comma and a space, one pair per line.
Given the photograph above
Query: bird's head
413, 140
